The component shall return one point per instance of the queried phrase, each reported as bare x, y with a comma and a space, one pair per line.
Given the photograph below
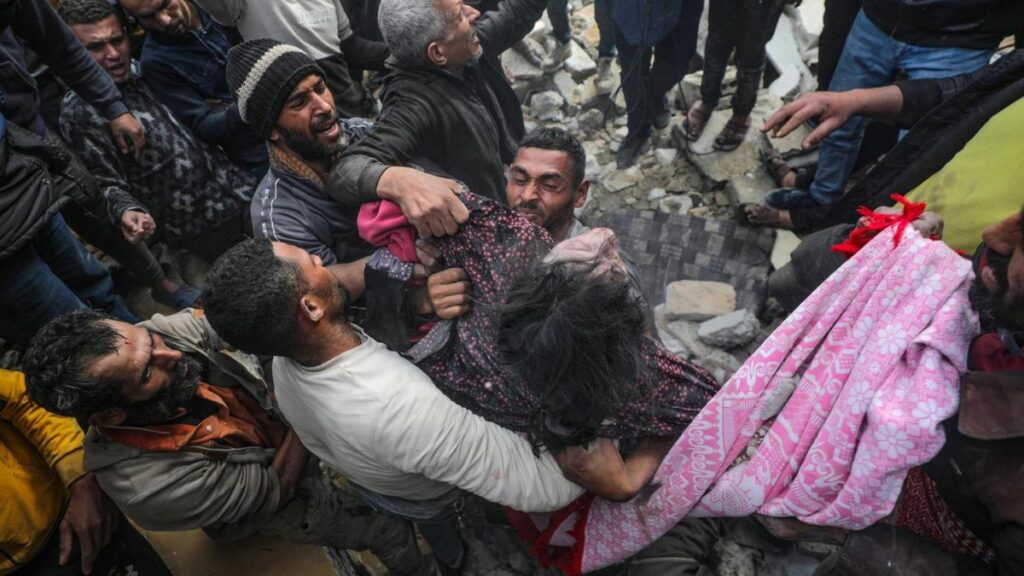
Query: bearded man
184, 434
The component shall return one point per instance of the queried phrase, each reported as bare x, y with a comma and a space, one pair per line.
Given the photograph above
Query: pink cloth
877, 352
383, 224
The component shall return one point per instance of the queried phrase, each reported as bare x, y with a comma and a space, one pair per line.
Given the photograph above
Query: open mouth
328, 129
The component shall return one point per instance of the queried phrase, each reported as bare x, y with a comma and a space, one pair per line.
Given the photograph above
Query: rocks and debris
698, 300
730, 330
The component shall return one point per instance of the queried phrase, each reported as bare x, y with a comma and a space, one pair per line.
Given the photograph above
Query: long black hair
575, 338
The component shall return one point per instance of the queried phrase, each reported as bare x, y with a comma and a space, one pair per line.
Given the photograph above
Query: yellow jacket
40, 455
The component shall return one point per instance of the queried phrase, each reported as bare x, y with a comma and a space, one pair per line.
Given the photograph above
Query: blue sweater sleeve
215, 127
42, 30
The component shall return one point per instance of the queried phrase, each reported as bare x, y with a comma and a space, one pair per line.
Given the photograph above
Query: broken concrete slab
783, 52
591, 120
547, 106
621, 179
665, 156
655, 194
741, 170
580, 64
730, 330
698, 300
785, 243
676, 204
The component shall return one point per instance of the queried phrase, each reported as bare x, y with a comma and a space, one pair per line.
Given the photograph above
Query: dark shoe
184, 297
630, 149
789, 198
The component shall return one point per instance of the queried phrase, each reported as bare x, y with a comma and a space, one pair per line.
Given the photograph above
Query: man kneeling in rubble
185, 435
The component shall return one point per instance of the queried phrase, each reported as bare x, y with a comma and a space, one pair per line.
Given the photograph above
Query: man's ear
108, 417
275, 135
311, 308
437, 55
581, 193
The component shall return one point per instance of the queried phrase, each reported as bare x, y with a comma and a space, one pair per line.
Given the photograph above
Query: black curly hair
58, 361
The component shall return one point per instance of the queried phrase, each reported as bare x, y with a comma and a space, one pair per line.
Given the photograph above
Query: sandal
732, 135
754, 215
184, 297
775, 164
696, 120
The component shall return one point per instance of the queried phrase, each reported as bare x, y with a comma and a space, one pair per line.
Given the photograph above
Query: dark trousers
648, 73
683, 551
50, 276
558, 13
744, 26
127, 554
605, 27
839, 17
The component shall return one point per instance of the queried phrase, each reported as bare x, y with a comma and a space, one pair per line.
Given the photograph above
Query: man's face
308, 123
166, 16
462, 44
320, 281
540, 187
156, 380
108, 45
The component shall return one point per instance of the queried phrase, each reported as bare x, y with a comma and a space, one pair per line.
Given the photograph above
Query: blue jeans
50, 276
436, 519
871, 59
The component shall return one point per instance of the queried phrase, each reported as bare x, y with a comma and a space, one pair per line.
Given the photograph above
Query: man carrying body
446, 99
363, 409
185, 435
184, 59
195, 195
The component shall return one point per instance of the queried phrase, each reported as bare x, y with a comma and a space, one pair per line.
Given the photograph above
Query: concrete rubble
730, 330
698, 300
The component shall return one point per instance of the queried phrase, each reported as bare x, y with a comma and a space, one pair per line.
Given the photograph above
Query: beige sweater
379, 420
316, 26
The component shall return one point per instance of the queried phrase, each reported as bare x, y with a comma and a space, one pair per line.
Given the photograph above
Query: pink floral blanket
864, 371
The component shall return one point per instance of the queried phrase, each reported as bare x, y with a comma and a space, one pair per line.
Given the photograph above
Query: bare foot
759, 215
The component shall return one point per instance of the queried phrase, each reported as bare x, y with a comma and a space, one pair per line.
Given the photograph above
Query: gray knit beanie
261, 74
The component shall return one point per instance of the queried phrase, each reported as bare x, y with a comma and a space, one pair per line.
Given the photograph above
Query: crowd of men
246, 134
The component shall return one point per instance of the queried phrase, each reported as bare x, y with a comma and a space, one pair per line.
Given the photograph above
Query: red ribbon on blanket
567, 559
876, 222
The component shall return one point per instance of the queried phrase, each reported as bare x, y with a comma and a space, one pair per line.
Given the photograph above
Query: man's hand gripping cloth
875, 354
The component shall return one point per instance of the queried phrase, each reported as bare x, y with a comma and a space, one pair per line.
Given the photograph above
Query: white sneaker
605, 75
560, 54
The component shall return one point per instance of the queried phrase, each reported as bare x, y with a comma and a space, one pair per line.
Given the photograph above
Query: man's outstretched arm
375, 169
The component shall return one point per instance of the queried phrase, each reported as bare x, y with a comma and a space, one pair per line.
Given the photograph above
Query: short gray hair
409, 26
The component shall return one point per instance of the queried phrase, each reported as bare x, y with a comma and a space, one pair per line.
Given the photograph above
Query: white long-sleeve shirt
379, 420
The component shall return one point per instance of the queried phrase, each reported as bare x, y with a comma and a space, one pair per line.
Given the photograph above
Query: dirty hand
429, 202
832, 109
427, 253
128, 134
137, 226
448, 291
929, 224
91, 517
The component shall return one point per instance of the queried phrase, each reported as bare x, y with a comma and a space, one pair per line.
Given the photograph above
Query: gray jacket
197, 486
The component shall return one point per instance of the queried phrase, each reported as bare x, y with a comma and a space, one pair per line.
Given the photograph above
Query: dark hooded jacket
978, 24
469, 126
